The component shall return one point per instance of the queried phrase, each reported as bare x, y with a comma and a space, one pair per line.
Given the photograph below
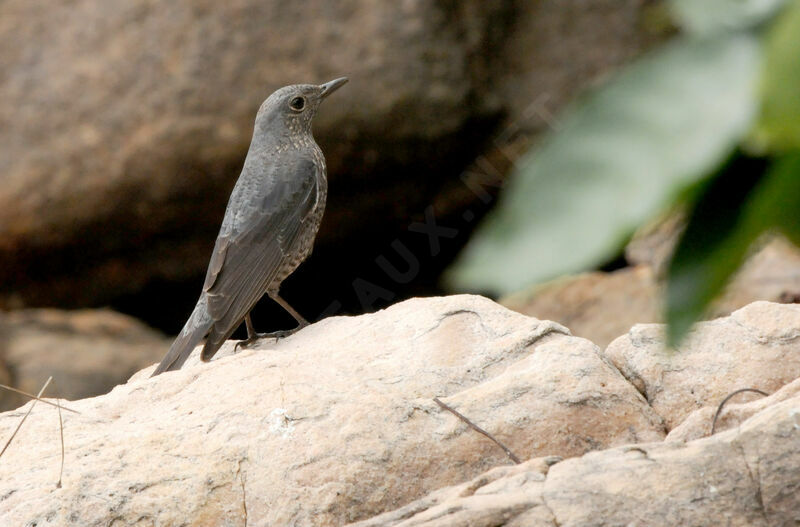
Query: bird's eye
297, 104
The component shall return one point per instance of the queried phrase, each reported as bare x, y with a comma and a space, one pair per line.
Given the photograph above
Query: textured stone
87, 352
733, 414
602, 306
757, 346
334, 424
653, 243
8, 399
772, 273
746, 477
597, 306
510, 496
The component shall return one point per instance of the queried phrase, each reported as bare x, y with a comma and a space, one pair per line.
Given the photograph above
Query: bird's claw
249, 341
277, 335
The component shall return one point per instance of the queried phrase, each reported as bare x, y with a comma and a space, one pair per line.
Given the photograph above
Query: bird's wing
262, 223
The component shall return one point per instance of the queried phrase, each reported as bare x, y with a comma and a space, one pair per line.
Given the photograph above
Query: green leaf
709, 16
736, 208
777, 202
779, 126
711, 248
619, 157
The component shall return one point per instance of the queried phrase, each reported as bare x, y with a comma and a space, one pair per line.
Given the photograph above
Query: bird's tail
193, 331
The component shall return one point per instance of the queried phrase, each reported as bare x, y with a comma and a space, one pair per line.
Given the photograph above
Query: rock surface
333, 424
733, 414
337, 424
601, 306
124, 124
8, 399
653, 243
87, 352
746, 477
757, 346
772, 274
597, 306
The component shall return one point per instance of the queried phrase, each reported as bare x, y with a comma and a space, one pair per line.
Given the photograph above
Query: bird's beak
332, 86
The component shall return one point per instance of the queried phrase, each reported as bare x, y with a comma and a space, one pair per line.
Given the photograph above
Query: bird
270, 223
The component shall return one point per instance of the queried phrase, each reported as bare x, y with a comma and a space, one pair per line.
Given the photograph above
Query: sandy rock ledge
745, 477
87, 352
332, 425
337, 424
757, 346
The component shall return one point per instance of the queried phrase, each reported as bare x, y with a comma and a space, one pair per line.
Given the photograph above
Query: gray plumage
269, 227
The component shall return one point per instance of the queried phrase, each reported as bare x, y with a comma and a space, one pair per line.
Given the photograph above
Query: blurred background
124, 125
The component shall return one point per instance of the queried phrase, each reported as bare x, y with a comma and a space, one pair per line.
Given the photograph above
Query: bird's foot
277, 335
283, 333
249, 341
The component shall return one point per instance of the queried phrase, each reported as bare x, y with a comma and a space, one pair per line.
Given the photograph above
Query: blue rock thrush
269, 227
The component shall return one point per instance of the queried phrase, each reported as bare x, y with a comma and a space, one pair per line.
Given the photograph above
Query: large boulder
600, 306
334, 424
338, 423
87, 352
700, 423
747, 477
755, 347
119, 165
125, 123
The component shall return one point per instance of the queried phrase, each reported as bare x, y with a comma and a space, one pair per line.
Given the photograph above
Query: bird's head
291, 108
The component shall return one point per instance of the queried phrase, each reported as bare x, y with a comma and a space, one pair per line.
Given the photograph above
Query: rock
334, 424
115, 172
510, 495
597, 306
745, 477
601, 306
87, 352
653, 243
755, 347
554, 49
148, 112
734, 413
8, 399
772, 273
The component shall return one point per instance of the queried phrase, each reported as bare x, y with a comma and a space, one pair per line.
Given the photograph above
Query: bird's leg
252, 336
285, 305
301, 322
